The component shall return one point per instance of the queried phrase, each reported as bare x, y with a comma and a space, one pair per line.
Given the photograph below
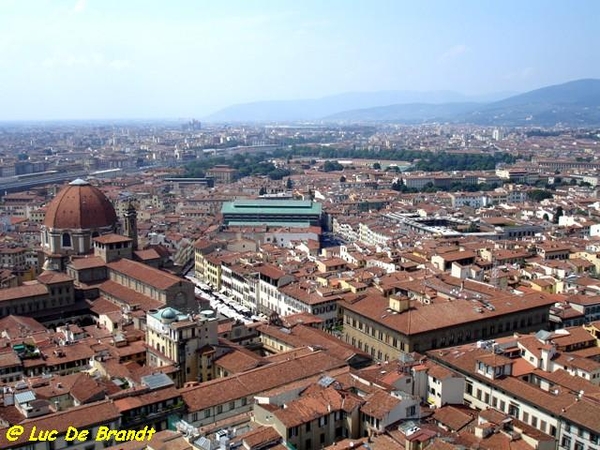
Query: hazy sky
178, 58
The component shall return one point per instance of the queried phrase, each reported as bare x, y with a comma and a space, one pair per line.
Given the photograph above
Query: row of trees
456, 186
258, 163
422, 160
255, 164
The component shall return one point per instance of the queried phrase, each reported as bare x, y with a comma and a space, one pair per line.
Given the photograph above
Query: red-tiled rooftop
31, 290
146, 274
80, 206
112, 239
90, 262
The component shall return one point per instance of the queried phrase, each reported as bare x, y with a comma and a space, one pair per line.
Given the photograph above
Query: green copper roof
274, 207
269, 223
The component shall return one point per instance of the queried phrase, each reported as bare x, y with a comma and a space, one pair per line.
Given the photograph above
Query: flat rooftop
269, 206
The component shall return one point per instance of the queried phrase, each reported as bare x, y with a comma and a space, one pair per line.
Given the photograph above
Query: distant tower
131, 225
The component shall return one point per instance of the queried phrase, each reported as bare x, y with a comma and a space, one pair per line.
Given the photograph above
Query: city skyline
106, 60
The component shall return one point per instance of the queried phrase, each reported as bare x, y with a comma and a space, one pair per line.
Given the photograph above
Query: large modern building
289, 213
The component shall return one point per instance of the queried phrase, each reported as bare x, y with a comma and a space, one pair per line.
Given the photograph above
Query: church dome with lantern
79, 213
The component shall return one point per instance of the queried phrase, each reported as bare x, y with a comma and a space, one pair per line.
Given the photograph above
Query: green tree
537, 195
331, 166
262, 191
342, 179
289, 184
558, 214
377, 166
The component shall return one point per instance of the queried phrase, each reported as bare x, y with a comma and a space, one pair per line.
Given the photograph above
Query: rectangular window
566, 442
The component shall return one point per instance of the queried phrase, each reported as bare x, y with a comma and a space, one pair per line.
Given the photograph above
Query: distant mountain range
576, 103
316, 109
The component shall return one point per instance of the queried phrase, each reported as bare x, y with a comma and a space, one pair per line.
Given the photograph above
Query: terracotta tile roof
223, 390
306, 295
271, 271
82, 417
31, 290
586, 300
146, 274
20, 326
440, 372
129, 296
439, 444
162, 440
379, 404
146, 255
572, 336
111, 239
584, 412
147, 398
51, 277
285, 355
568, 360
457, 256
55, 356
259, 437
80, 386
302, 336
453, 417
87, 263
9, 359
310, 406
80, 207
532, 394
104, 306
423, 318
564, 379
237, 361
302, 318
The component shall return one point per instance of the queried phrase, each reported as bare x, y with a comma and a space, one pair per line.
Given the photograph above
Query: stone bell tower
131, 225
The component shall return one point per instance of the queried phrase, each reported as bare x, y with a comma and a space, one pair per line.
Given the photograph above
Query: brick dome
80, 206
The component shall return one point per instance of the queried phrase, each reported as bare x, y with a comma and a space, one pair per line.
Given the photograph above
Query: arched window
66, 240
